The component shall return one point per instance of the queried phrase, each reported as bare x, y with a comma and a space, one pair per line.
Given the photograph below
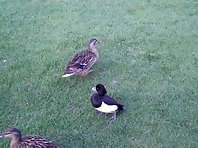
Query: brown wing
86, 58
36, 142
82, 58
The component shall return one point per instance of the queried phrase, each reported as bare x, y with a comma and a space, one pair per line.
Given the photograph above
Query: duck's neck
15, 139
94, 50
14, 142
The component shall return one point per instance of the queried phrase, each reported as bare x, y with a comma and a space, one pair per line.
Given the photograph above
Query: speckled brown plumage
82, 62
17, 141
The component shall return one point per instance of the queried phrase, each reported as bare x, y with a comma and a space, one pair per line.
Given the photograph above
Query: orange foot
86, 73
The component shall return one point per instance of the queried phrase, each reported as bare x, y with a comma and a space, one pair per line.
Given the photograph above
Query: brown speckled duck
82, 62
17, 141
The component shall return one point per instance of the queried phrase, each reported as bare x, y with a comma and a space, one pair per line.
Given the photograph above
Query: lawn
148, 61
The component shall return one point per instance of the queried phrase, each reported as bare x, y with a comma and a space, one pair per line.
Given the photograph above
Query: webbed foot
86, 73
112, 117
100, 113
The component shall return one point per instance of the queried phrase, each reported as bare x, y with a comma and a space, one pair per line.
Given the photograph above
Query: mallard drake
17, 141
82, 62
103, 103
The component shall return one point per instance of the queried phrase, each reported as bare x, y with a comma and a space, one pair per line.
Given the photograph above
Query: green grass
148, 61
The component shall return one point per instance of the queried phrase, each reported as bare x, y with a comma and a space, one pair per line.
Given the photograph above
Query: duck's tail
120, 107
67, 75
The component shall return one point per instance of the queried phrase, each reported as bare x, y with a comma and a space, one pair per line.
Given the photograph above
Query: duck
83, 61
105, 104
17, 141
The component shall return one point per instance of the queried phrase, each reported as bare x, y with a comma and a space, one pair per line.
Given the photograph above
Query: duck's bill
93, 89
98, 42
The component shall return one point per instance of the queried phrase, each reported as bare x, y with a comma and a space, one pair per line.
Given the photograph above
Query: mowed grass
148, 61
